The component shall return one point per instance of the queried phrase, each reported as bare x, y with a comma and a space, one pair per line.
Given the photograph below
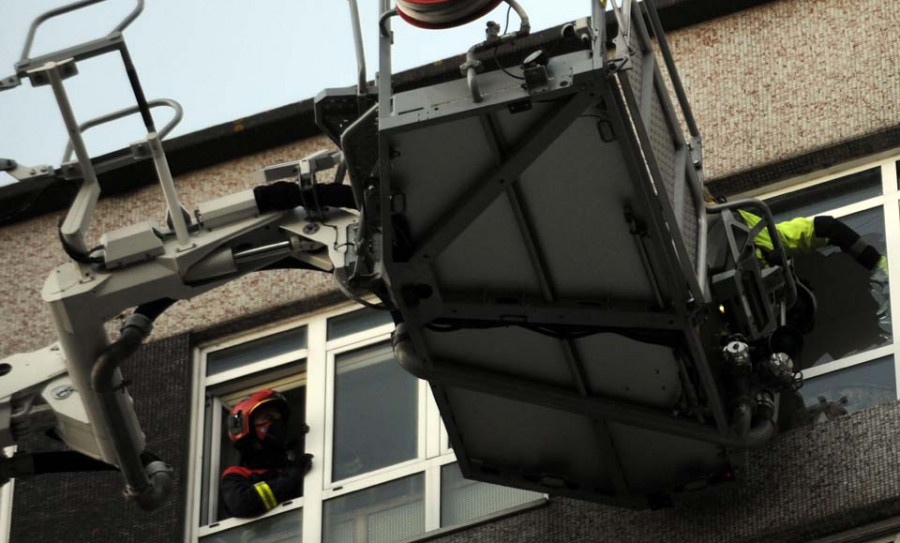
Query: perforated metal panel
541, 247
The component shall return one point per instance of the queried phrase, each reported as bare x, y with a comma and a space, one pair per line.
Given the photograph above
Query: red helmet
239, 419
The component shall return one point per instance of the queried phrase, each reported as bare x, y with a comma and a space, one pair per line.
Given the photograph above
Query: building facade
798, 102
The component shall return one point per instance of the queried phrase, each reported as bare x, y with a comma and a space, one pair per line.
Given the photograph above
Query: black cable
27, 205
505, 29
504, 70
73, 253
506, 26
345, 290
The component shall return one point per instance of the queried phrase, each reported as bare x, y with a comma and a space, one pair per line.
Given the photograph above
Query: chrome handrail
115, 115
62, 10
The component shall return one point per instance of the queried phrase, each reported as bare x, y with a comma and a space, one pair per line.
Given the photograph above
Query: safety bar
623, 17
109, 117
362, 85
702, 235
766, 215
471, 65
694, 175
673, 71
62, 10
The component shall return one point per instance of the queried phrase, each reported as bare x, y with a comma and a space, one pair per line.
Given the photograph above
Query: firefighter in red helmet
269, 473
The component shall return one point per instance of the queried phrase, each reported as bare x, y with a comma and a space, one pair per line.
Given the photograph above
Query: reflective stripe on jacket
251, 492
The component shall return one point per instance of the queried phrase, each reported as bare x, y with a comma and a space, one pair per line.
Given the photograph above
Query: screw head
62, 392
311, 228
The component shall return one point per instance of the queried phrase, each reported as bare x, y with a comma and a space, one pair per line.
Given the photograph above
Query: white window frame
6, 502
889, 201
422, 417
200, 383
433, 448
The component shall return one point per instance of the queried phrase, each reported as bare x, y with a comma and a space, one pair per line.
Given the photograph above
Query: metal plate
543, 259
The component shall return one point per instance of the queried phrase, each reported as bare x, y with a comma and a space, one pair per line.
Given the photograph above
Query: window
233, 372
383, 470
375, 401
6, 502
850, 356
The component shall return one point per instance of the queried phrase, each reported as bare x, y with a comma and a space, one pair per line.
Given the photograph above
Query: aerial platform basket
544, 243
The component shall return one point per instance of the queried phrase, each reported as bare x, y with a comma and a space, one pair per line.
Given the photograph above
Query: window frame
319, 357
6, 501
421, 418
200, 384
889, 201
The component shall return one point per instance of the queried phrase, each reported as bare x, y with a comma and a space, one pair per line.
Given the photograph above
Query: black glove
306, 463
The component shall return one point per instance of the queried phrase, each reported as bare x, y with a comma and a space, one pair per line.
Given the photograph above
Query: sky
221, 59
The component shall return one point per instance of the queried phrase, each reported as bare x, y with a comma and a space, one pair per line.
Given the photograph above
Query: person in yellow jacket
803, 235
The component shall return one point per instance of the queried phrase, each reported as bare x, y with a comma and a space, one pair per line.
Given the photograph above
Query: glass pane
383, 514
852, 389
284, 527
463, 500
357, 321
846, 318
376, 412
827, 196
254, 351
229, 456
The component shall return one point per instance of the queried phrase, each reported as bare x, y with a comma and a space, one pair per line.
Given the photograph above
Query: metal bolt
738, 353
310, 228
63, 392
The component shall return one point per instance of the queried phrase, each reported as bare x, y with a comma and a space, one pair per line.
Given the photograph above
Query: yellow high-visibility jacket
797, 235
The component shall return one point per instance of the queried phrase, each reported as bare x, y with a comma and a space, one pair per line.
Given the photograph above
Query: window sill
447, 530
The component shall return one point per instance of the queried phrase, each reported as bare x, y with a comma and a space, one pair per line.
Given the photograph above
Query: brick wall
807, 484
31, 250
769, 84
788, 77
89, 507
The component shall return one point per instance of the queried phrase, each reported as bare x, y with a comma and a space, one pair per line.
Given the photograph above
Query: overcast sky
222, 59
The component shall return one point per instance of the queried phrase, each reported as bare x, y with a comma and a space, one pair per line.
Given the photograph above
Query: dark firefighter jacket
251, 492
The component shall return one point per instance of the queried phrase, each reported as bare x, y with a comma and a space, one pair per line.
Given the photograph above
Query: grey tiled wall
772, 82
807, 484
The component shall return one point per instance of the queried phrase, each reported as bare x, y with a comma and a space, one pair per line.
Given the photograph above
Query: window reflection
385, 513
463, 500
254, 351
846, 320
357, 321
827, 196
853, 389
376, 412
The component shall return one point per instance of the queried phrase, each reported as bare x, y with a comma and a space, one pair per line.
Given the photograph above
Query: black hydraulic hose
102, 383
765, 428
147, 494
154, 309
